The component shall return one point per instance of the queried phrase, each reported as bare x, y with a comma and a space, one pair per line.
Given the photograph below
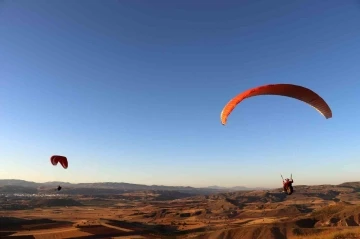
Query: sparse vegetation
350, 233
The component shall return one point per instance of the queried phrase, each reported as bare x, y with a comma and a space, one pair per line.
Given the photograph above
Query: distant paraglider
293, 91
55, 159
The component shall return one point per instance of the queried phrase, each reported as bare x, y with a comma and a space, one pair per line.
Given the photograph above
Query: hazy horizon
203, 186
131, 91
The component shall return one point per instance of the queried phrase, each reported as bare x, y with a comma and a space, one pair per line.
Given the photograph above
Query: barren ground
258, 214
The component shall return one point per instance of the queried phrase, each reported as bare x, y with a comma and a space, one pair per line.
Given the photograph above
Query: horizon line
154, 185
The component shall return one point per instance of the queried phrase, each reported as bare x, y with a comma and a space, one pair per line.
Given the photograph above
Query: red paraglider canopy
55, 159
293, 91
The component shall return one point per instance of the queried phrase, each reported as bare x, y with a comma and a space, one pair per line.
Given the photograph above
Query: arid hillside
323, 211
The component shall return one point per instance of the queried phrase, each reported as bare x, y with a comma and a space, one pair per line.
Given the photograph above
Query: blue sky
131, 91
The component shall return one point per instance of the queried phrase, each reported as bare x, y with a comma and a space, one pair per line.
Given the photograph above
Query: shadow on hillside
13, 223
136, 227
275, 231
15, 237
304, 209
306, 223
7, 233
54, 202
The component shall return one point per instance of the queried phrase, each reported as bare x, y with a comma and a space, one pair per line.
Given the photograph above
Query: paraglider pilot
287, 183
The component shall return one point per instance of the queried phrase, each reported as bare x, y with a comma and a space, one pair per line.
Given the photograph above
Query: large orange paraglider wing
293, 91
55, 159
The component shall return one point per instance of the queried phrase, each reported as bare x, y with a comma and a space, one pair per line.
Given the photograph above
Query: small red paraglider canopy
55, 159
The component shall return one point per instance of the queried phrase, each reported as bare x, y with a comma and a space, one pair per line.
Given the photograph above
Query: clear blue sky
131, 91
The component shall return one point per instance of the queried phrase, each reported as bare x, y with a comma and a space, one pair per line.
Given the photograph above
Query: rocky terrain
322, 211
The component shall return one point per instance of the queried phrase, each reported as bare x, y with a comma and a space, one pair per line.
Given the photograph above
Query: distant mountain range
22, 186
236, 188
